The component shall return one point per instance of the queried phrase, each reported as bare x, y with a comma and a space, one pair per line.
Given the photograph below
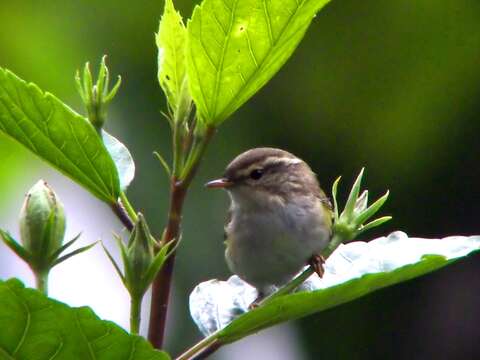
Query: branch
122, 215
162, 283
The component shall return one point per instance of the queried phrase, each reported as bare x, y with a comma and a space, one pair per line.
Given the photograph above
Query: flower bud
42, 223
361, 203
142, 259
96, 96
140, 252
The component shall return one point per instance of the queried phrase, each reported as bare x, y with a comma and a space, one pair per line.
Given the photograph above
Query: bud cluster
96, 96
352, 221
142, 258
141, 261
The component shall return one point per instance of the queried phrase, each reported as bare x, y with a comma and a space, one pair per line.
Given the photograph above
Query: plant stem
199, 348
122, 215
177, 148
135, 311
162, 283
41, 280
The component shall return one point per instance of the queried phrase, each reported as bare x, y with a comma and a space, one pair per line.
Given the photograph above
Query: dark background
390, 85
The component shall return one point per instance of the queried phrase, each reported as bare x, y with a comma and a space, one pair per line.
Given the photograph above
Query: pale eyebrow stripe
283, 160
270, 161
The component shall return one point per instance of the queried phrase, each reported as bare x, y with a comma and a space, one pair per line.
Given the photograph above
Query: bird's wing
324, 199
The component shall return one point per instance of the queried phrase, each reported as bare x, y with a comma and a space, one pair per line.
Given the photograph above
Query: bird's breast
270, 247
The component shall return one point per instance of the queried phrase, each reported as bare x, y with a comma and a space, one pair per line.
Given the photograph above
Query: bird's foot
256, 303
317, 262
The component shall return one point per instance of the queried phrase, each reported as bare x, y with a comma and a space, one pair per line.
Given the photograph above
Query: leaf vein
87, 157
195, 67
241, 76
228, 7
89, 346
268, 21
103, 336
222, 56
55, 354
214, 14
5, 354
210, 60
250, 49
33, 147
132, 350
262, 62
46, 138
27, 321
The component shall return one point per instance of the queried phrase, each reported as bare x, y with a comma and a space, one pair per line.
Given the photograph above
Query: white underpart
267, 246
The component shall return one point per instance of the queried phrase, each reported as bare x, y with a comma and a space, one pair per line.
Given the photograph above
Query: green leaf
43, 329
58, 135
235, 47
171, 43
121, 157
302, 304
352, 271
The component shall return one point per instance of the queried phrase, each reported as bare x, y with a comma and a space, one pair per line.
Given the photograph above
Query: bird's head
263, 176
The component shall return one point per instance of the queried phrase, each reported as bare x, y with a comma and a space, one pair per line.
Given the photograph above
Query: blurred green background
390, 85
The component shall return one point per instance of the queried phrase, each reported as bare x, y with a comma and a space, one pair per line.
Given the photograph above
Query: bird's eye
256, 174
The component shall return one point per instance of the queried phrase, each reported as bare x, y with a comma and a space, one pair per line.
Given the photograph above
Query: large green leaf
171, 43
352, 271
235, 46
37, 328
57, 134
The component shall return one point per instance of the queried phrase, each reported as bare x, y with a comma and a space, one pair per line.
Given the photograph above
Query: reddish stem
162, 283
122, 214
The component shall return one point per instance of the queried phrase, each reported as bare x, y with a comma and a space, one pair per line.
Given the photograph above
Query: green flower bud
42, 224
96, 96
140, 253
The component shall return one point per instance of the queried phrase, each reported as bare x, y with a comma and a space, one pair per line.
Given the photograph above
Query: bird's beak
219, 183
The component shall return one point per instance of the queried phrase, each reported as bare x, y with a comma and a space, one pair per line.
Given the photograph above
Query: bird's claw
256, 303
317, 262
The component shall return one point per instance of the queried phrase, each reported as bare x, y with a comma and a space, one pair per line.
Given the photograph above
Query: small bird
279, 218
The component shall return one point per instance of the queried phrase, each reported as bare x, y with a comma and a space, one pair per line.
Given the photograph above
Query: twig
201, 349
122, 215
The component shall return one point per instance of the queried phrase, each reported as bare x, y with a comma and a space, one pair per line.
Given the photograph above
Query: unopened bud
42, 222
140, 251
96, 96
